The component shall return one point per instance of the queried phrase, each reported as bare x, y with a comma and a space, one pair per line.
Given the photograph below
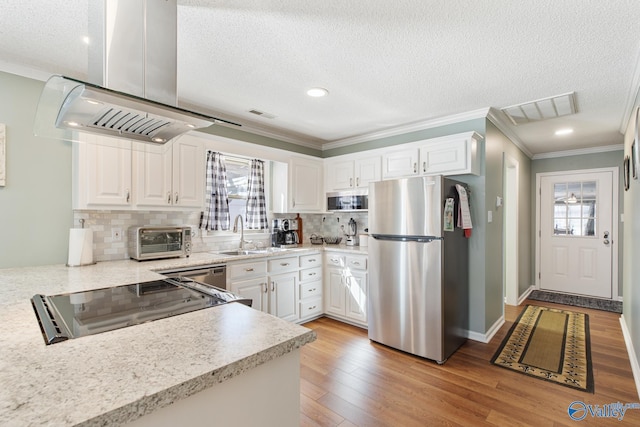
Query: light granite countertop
115, 377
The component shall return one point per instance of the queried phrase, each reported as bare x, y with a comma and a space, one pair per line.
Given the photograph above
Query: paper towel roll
80, 247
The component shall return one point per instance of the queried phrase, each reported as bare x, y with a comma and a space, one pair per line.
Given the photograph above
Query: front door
576, 212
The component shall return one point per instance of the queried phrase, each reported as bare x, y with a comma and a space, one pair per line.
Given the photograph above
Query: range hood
131, 92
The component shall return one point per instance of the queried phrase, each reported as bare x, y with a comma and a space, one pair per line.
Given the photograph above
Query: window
574, 210
237, 186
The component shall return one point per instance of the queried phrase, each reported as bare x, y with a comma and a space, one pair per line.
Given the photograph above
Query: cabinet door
400, 163
188, 173
305, 182
152, 172
356, 299
108, 170
340, 175
284, 297
444, 157
334, 292
367, 170
256, 289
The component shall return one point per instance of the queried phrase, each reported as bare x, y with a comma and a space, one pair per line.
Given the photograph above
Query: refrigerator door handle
398, 238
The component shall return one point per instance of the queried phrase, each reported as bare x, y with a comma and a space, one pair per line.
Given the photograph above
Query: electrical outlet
116, 234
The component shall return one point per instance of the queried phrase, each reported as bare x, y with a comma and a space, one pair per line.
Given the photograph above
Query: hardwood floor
346, 380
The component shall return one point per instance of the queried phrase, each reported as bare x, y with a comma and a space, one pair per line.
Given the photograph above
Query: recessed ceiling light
317, 92
561, 132
86, 40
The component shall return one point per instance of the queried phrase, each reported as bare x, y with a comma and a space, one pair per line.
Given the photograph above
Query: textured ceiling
386, 64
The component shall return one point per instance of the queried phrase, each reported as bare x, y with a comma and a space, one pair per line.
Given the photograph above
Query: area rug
549, 344
577, 301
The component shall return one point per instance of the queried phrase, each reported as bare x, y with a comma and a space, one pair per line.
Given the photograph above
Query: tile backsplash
106, 249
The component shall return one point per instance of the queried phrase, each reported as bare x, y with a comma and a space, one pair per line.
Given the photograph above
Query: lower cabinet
283, 296
346, 287
248, 279
310, 286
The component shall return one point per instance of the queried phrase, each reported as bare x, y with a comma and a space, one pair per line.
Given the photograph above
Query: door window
574, 209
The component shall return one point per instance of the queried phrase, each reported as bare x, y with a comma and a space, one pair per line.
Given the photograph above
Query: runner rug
550, 344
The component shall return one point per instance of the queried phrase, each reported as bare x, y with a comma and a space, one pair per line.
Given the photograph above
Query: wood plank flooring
346, 380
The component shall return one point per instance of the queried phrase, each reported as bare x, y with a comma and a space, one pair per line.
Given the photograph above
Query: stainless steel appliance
159, 242
78, 314
418, 281
351, 200
284, 232
351, 232
212, 275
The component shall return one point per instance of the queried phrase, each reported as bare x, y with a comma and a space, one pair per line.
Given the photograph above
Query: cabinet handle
312, 307
312, 260
350, 182
311, 290
284, 264
176, 202
168, 197
128, 195
357, 181
415, 168
294, 202
355, 263
424, 166
248, 269
266, 288
312, 274
273, 286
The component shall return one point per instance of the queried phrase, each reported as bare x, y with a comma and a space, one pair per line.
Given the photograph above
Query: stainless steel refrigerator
418, 282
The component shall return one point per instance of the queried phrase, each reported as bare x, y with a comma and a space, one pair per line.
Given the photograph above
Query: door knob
606, 237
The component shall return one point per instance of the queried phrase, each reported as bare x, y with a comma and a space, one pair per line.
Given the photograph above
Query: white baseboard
633, 358
526, 294
487, 337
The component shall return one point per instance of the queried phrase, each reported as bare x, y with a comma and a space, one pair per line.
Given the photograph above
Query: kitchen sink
251, 251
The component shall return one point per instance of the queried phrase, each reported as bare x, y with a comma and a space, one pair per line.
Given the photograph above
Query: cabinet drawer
333, 260
247, 269
356, 262
314, 260
310, 289
311, 308
283, 264
311, 274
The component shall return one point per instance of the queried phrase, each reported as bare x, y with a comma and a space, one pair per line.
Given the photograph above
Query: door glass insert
574, 209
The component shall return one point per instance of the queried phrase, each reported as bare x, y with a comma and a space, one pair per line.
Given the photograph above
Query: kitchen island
189, 366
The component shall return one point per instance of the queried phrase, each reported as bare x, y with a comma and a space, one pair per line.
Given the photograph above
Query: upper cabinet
174, 178
353, 173
305, 182
449, 155
108, 174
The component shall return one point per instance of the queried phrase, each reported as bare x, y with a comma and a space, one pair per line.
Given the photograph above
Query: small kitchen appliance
351, 232
159, 242
284, 232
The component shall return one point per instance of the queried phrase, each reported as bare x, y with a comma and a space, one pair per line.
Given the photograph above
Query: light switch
489, 216
498, 201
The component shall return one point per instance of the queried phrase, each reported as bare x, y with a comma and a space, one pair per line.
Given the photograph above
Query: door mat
549, 344
577, 301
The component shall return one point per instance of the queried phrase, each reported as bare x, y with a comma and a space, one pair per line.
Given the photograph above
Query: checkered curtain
216, 213
256, 203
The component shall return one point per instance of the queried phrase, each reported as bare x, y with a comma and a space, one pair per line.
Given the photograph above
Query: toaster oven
150, 242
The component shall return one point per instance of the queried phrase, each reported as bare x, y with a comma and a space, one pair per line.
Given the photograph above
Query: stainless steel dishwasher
212, 275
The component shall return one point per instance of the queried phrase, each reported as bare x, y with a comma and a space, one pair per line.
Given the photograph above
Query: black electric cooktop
79, 314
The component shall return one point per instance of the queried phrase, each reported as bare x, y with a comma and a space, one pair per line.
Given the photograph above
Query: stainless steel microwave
150, 242
353, 200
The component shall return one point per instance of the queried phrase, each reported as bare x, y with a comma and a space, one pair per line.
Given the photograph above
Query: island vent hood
132, 87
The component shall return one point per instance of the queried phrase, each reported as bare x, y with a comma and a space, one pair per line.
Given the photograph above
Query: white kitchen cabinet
174, 178
305, 185
101, 173
352, 173
346, 287
256, 289
400, 163
448, 155
310, 286
283, 296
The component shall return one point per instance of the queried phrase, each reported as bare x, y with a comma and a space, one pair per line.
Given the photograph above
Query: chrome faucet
235, 230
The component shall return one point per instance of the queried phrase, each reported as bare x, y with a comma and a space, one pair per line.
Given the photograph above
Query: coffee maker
284, 232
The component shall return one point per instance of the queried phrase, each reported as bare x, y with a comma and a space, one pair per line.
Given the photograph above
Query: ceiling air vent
262, 114
542, 109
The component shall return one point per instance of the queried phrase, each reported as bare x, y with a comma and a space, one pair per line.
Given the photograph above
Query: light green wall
631, 254
35, 205
583, 161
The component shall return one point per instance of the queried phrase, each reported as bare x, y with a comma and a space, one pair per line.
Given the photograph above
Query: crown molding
494, 118
578, 152
407, 128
